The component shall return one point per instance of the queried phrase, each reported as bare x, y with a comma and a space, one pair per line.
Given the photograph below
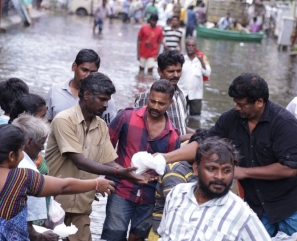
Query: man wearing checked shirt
149, 129
170, 64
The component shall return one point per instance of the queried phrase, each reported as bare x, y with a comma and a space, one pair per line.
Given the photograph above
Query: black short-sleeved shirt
273, 140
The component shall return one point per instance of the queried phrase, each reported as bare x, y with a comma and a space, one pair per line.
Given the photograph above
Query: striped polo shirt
225, 218
172, 37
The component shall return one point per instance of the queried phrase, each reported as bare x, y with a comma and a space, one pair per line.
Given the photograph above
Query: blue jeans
119, 212
100, 23
288, 225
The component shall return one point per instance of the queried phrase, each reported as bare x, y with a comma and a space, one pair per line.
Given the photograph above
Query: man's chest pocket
265, 153
96, 152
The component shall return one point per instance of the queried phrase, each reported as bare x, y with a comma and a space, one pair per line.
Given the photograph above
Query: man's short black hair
163, 86
10, 91
154, 17
87, 56
223, 148
250, 86
175, 16
170, 57
96, 83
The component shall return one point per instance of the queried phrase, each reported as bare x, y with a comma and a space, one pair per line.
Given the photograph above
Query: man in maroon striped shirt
146, 128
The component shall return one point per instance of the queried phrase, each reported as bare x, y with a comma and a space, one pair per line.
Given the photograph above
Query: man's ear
260, 102
171, 101
74, 66
195, 168
86, 95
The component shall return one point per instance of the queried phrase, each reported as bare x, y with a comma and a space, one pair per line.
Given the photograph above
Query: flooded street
42, 55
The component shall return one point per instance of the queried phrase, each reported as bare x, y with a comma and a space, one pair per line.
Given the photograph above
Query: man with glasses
265, 135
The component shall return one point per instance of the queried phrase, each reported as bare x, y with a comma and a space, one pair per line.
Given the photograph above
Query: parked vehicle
86, 7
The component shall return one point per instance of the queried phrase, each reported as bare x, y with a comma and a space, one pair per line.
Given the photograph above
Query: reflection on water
43, 54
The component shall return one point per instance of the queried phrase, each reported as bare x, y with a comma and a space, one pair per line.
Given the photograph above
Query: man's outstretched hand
128, 174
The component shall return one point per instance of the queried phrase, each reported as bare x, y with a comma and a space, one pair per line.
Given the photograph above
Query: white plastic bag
64, 231
55, 215
140, 160
145, 161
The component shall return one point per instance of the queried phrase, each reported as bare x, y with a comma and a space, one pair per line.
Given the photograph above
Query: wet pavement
43, 54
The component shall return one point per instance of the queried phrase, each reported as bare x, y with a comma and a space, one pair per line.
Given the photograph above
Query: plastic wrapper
145, 161
55, 215
64, 231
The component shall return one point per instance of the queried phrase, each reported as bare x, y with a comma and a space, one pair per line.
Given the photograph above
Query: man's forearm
274, 171
87, 165
186, 153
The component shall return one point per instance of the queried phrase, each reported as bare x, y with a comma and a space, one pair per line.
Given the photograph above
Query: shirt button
252, 146
86, 147
258, 191
262, 203
252, 160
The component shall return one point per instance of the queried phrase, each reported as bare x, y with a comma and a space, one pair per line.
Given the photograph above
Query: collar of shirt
66, 86
265, 115
188, 59
80, 118
27, 162
168, 127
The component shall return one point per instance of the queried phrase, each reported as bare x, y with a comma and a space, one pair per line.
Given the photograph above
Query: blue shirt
191, 19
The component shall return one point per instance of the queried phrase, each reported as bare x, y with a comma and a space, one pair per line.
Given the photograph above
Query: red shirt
150, 38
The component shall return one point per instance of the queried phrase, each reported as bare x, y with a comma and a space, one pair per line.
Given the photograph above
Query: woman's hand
104, 186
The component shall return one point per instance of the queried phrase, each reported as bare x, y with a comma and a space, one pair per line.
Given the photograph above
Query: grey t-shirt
60, 98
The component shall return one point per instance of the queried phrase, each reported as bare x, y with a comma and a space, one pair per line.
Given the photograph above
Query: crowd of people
87, 137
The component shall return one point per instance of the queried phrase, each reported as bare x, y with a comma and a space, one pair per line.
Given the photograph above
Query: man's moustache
217, 183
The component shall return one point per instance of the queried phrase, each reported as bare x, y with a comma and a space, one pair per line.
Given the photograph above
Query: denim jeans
119, 212
100, 23
288, 225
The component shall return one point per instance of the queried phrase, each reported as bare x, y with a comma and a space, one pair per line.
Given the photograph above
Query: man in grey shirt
65, 95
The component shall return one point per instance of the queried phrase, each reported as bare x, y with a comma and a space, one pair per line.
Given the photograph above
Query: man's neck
87, 115
192, 56
73, 84
200, 197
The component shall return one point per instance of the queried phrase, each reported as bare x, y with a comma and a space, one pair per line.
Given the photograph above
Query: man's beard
204, 188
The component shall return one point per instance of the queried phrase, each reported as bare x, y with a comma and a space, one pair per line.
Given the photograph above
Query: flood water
42, 55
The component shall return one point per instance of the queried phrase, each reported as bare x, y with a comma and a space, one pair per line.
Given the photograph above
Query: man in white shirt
195, 70
207, 209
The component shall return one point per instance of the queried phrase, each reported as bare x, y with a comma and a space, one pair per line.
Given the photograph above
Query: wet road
43, 54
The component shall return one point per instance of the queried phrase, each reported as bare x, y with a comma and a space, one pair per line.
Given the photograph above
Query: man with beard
79, 146
170, 64
264, 133
207, 209
133, 130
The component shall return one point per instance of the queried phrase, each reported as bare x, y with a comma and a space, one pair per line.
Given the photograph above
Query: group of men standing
259, 129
